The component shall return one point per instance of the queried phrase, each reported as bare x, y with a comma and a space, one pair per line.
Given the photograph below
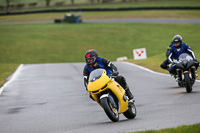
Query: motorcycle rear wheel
131, 112
110, 111
188, 85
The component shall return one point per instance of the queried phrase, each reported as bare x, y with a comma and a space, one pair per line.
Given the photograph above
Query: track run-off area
51, 98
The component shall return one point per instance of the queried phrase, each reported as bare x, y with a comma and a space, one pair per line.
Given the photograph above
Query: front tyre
187, 83
111, 111
131, 112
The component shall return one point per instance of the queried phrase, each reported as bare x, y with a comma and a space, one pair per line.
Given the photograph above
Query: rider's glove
115, 73
196, 62
172, 64
195, 59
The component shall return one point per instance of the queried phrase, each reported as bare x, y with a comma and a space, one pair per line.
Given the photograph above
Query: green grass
5, 70
56, 43
180, 129
46, 43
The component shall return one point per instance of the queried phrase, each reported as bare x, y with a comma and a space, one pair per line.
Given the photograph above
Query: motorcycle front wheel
188, 85
111, 111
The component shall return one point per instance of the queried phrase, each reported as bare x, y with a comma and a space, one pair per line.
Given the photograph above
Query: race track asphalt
190, 21
51, 98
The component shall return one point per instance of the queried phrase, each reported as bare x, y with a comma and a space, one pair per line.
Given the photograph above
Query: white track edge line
15, 74
149, 70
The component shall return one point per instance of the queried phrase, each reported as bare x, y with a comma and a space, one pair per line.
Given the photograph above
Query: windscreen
184, 56
96, 74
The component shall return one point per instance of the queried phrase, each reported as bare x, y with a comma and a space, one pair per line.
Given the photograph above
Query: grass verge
5, 71
52, 43
180, 129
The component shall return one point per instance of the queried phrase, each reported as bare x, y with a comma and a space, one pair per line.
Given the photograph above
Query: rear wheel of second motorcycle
188, 85
111, 111
131, 112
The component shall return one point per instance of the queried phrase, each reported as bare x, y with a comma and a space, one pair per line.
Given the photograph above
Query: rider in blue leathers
93, 62
177, 48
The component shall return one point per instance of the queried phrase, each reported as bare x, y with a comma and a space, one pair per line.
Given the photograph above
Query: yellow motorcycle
110, 95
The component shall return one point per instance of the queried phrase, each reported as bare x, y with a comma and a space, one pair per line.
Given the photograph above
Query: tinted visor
90, 60
176, 40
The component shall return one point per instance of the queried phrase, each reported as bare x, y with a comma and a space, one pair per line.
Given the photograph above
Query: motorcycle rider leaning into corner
94, 62
177, 48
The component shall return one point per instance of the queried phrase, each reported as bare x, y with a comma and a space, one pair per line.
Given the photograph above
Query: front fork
179, 73
192, 70
110, 98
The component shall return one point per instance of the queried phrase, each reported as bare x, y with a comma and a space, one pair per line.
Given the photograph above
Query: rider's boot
177, 78
196, 74
127, 90
129, 94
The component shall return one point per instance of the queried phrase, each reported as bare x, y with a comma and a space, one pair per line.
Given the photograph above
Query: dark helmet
91, 57
177, 38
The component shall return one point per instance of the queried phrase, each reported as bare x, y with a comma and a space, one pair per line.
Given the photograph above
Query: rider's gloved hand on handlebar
173, 63
115, 73
196, 62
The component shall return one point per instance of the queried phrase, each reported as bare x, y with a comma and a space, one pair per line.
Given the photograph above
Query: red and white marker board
139, 54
